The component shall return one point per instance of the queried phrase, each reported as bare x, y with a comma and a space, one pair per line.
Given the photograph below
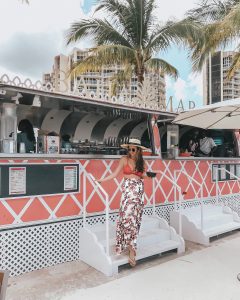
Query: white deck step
146, 237
146, 251
216, 220
155, 237
214, 231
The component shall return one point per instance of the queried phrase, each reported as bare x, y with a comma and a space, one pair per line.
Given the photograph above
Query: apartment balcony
92, 74
229, 95
89, 82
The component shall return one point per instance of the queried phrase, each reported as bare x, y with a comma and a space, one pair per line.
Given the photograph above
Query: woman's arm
115, 173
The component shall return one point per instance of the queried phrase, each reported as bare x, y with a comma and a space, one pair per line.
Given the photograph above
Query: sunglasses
132, 149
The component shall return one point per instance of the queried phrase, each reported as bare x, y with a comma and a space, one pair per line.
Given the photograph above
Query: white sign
70, 178
17, 180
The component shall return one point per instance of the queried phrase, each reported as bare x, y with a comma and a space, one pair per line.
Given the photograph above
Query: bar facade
42, 195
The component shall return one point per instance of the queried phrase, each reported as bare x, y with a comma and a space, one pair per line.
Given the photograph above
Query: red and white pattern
25, 210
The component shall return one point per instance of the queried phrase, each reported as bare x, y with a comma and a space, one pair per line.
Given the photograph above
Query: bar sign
17, 180
70, 178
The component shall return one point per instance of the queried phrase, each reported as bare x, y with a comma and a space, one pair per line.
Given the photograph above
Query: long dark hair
139, 161
25, 126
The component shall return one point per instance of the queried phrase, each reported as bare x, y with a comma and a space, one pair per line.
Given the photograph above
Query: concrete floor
201, 273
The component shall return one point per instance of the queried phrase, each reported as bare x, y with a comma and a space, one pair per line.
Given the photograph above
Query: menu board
38, 179
17, 180
70, 178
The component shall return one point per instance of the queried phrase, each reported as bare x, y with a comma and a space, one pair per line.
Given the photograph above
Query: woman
26, 135
132, 202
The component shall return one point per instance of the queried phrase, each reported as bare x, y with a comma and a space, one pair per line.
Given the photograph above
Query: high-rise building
97, 81
216, 86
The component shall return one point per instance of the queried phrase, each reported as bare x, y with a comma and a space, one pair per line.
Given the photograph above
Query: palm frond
235, 66
162, 67
205, 46
130, 35
100, 30
210, 11
114, 8
183, 32
101, 56
217, 34
231, 22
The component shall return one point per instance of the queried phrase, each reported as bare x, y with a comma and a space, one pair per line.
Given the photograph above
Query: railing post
84, 200
175, 190
217, 187
154, 197
202, 224
107, 225
180, 213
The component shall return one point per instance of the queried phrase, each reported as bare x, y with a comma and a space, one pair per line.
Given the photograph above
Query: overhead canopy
222, 115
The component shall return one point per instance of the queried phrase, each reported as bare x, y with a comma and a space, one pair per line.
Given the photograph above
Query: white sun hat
133, 142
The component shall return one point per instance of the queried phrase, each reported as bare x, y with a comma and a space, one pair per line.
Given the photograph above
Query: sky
31, 35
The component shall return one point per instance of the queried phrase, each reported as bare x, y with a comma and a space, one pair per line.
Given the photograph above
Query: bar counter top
99, 156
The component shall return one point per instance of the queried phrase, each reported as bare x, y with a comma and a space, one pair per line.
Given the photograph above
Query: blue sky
28, 49
87, 5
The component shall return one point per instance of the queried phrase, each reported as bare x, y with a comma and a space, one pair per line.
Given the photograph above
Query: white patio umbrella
221, 115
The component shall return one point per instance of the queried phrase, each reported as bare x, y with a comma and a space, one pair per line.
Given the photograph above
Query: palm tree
130, 36
222, 27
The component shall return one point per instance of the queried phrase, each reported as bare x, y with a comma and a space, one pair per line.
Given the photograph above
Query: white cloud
173, 9
169, 82
180, 89
186, 90
38, 16
195, 81
52, 18
31, 35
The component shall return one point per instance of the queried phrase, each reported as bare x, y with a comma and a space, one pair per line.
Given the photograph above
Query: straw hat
133, 142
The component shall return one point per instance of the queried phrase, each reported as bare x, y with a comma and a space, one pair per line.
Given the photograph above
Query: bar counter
100, 156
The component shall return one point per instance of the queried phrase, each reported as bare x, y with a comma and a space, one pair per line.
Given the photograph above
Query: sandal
132, 259
132, 262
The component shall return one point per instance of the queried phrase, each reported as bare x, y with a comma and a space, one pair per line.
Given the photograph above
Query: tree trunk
140, 74
140, 77
140, 68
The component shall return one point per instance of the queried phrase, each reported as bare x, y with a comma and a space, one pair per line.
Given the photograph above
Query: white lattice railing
180, 200
200, 188
145, 96
104, 198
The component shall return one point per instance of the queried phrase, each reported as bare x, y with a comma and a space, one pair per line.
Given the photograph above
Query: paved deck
202, 273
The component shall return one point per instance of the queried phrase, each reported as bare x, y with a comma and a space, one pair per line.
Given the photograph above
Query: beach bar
49, 195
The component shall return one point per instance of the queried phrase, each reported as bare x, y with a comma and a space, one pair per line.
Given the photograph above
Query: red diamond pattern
58, 206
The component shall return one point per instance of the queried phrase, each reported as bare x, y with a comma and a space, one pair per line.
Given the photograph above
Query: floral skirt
130, 214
